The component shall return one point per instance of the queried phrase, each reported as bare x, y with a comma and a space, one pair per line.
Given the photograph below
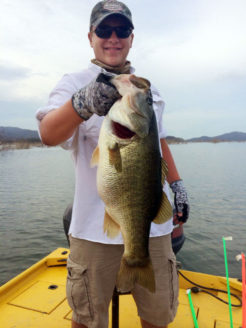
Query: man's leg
77, 325
92, 270
144, 324
159, 309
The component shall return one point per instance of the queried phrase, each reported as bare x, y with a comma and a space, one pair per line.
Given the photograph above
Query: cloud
42, 41
20, 113
193, 51
213, 44
9, 73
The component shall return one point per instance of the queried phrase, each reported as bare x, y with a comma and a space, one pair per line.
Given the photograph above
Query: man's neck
122, 69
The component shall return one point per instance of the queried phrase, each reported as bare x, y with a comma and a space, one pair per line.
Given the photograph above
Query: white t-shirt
88, 208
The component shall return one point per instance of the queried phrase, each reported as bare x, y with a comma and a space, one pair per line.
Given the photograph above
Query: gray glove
96, 98
180, 200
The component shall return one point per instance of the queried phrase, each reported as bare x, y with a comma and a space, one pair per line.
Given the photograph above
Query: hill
11, 134
174, 140
232, 136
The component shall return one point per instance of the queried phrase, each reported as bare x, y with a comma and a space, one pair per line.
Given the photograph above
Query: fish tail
131, 273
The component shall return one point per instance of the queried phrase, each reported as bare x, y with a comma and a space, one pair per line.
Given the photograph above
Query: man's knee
77, 325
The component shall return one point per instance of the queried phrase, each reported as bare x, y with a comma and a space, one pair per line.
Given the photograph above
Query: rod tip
227, 238
238, 257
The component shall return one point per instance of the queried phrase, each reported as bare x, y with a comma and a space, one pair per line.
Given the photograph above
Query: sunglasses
105, 32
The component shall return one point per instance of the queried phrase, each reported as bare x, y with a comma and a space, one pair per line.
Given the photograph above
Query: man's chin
115, 62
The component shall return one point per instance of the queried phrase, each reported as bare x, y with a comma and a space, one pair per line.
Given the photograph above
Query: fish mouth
122, 131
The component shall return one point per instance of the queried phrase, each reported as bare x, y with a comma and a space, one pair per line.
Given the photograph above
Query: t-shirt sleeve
61, 93
159, 105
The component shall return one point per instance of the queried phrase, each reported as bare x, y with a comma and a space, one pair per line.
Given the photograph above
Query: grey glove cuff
180, 199
177, 186
96, 98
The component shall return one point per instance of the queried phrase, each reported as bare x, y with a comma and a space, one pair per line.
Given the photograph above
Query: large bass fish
130, 178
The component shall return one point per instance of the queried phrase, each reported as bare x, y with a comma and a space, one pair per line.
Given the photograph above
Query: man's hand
96, 98
180, 200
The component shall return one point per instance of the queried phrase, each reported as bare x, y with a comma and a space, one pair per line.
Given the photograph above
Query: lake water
37, 184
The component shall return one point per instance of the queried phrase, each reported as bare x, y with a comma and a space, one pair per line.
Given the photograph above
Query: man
68, 119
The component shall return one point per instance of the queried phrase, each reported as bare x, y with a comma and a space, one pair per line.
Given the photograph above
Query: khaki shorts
92, 270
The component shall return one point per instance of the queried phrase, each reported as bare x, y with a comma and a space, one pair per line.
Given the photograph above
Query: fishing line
192, 308
204, 289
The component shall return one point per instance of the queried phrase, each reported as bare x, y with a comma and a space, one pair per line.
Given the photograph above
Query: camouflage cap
106, 8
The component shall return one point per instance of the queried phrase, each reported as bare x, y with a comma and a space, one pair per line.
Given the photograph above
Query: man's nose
113, 36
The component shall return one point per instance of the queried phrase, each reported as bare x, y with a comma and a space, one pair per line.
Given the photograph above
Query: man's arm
173, 174
59, 124
176, 184
95, 98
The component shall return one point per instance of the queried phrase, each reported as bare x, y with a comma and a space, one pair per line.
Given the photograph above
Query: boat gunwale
50, 260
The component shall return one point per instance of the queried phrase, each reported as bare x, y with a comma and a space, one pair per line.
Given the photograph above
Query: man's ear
132, 37
90, 38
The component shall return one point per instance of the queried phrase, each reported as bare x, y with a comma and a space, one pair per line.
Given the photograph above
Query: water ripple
37, 184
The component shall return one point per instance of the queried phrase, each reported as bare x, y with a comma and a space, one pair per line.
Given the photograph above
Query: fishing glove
96, 98
180, 200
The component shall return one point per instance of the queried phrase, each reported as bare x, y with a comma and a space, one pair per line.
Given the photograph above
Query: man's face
112, 51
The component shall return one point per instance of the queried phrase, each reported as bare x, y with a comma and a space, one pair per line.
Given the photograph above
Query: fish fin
115, 157
165, 211
129, 275
110, 226
164, 170
95, 157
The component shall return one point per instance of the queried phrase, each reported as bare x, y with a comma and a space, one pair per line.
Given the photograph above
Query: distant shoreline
26, 144
173, 142
17, 138
20, 144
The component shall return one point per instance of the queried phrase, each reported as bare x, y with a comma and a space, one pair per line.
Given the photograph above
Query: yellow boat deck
37, 298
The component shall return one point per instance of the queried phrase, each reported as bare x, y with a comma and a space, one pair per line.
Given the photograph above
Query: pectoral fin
115, 157
110, 226
95, 157
165, 211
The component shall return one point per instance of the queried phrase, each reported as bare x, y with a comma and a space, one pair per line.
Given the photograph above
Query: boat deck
37, 298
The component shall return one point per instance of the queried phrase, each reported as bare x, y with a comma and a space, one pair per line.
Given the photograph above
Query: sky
193, 51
